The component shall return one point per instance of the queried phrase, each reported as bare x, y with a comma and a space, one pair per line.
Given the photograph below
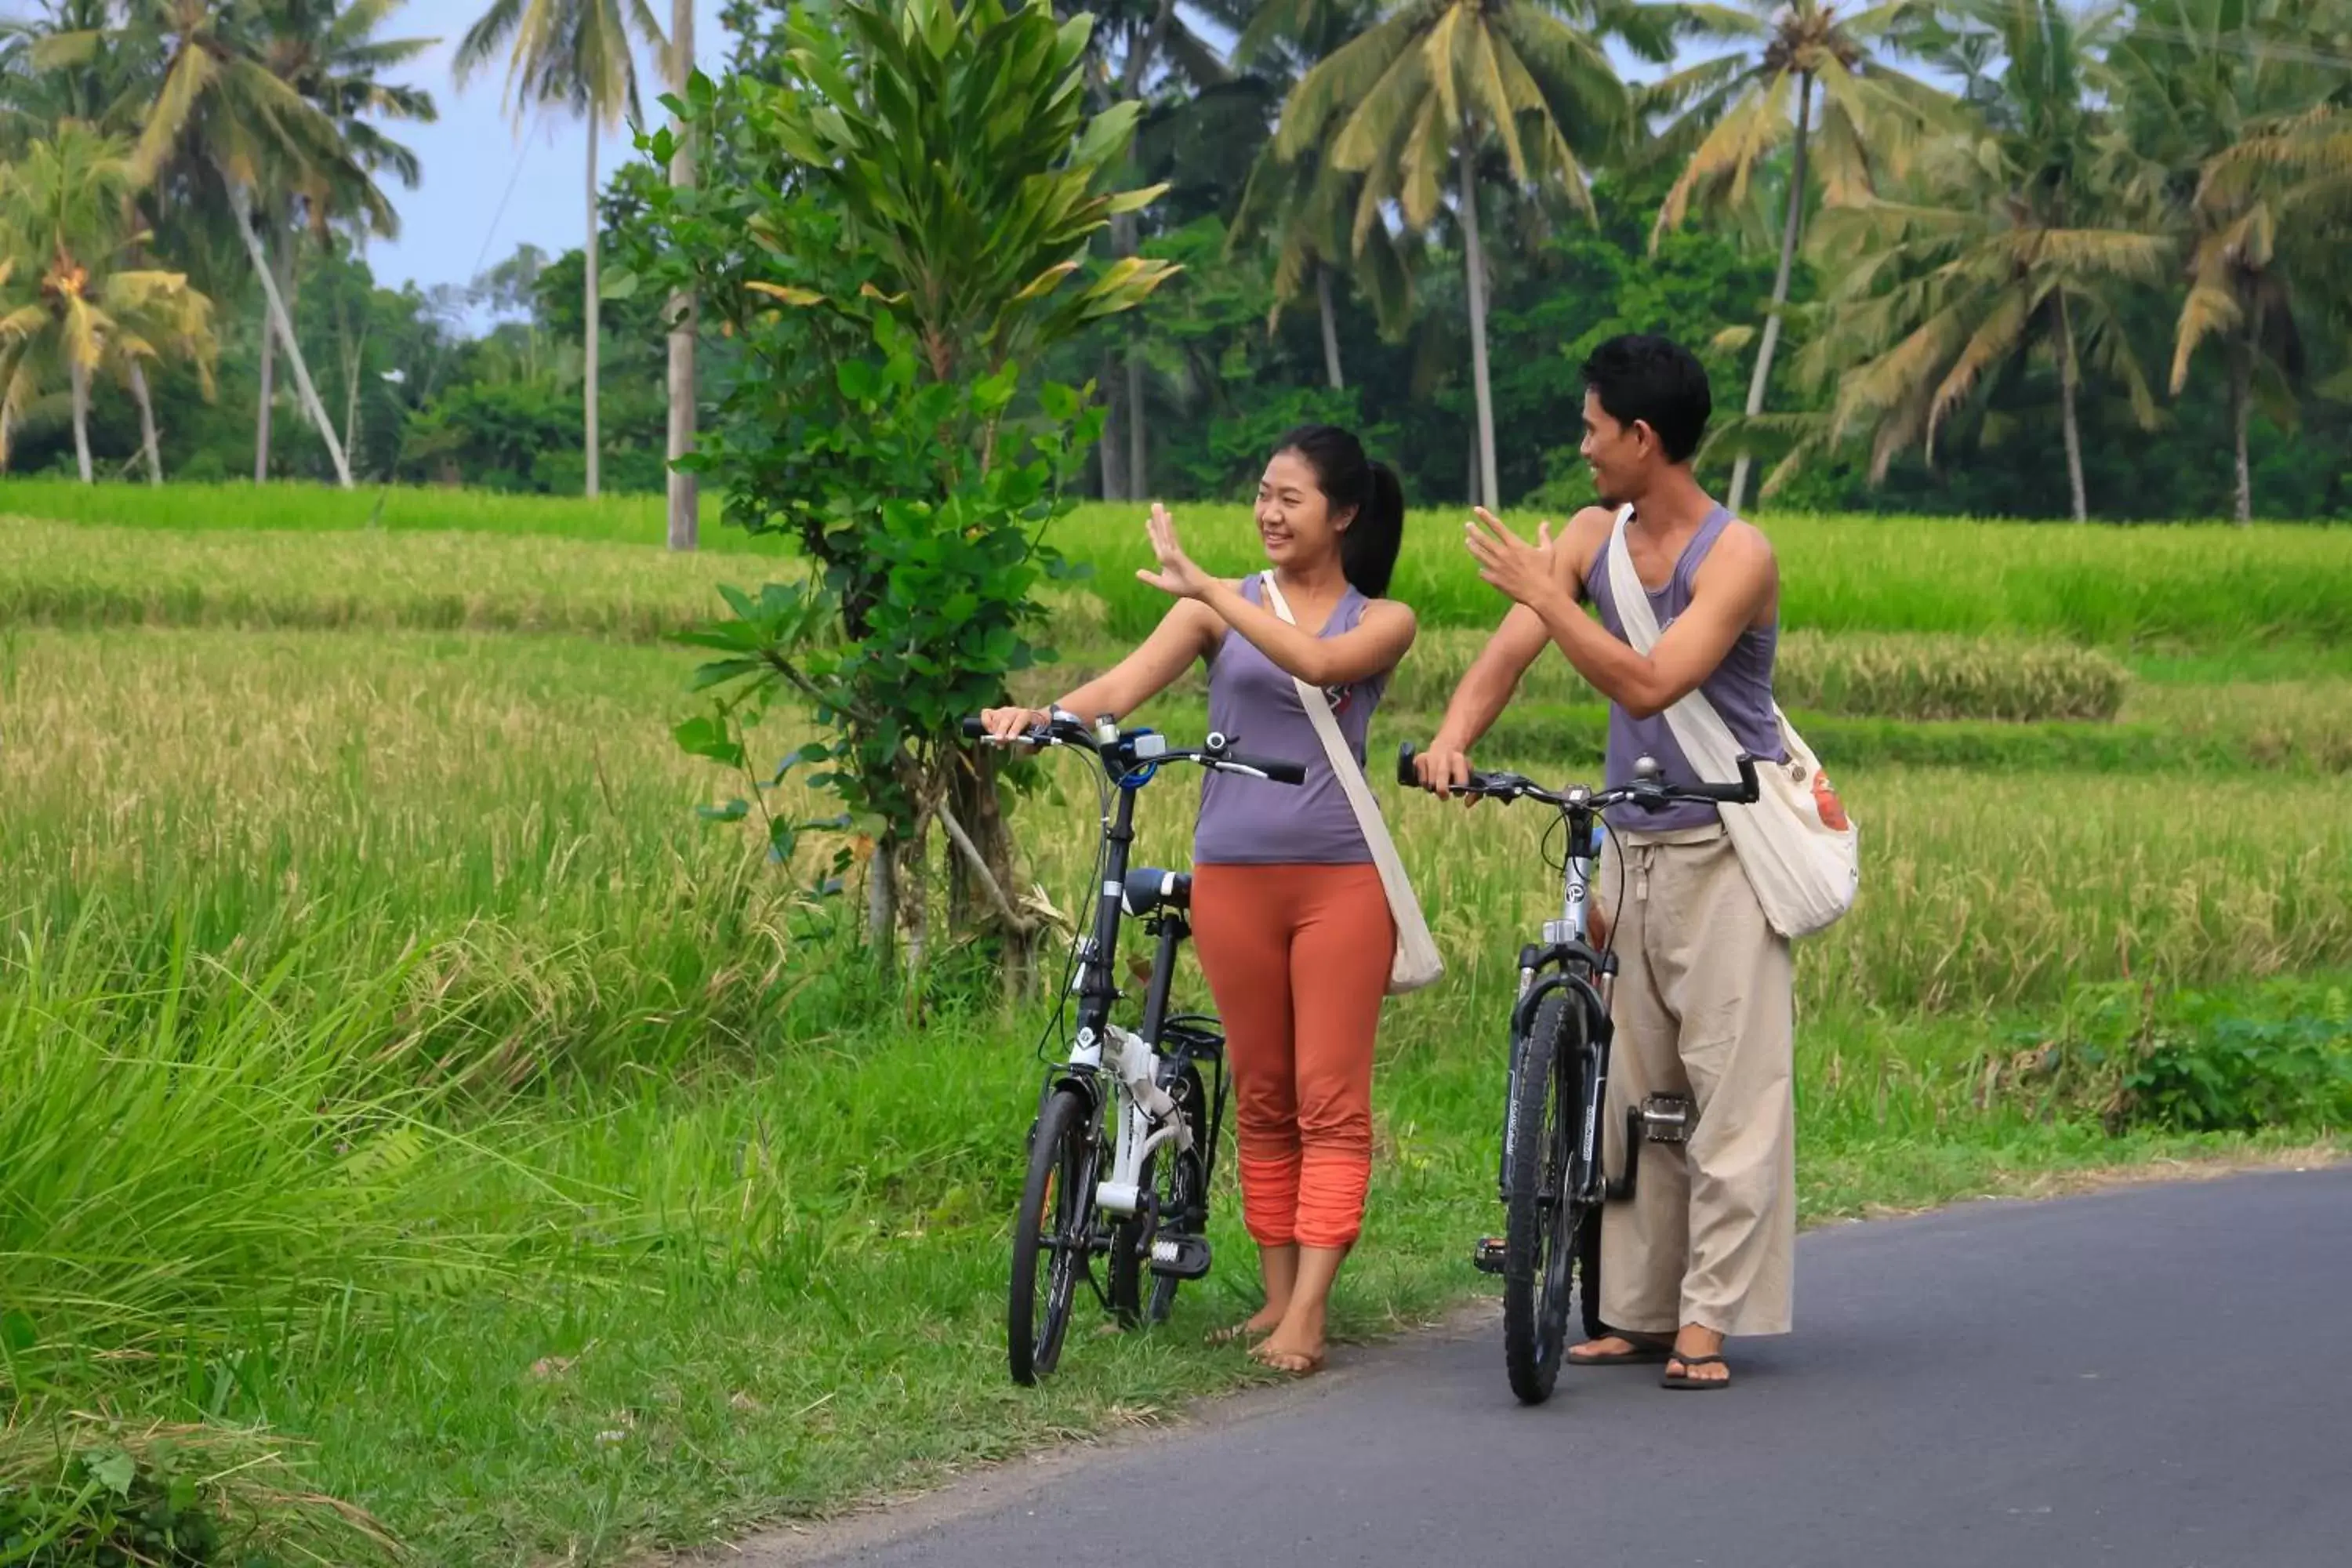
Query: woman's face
1294, 515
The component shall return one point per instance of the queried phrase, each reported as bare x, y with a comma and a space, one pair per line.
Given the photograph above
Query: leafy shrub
2193, 1061
93, 1495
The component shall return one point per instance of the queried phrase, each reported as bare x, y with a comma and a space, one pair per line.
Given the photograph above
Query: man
1702, 1005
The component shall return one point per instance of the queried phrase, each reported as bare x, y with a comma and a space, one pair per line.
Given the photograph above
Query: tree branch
973, 858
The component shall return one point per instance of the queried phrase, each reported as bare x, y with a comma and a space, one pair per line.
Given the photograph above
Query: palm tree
2199, 76
576, 54
1735, 113
1302, 206
64, 305
2013, 253
1134, 44
218, 130
328, 53
1428, 89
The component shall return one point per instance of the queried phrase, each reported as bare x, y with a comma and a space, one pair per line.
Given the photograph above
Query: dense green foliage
2226, 177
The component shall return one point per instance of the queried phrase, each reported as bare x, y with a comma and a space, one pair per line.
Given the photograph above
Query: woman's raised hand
1177, 574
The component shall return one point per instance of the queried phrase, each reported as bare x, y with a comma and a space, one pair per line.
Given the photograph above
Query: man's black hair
1656, 382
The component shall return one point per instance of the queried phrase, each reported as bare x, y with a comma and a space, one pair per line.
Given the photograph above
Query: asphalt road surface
2151, 1377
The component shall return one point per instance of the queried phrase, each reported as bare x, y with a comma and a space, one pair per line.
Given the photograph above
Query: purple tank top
1254, 703
1740, 690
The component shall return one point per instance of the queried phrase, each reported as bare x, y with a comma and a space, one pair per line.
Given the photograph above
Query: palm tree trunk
2067, 373
685, 318
595, 310
1475, 259
261, 404
1330, 329
1110, 450
2242, 402
1792, 227
80, 377
1138, 445
278, 318
147, 441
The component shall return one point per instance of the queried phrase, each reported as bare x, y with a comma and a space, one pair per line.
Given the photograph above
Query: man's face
1620, 456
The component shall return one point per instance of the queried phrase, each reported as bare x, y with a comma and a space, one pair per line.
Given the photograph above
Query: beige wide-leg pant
1703, 1007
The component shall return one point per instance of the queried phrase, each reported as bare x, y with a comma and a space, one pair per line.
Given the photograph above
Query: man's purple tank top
1740, 690
1254, 703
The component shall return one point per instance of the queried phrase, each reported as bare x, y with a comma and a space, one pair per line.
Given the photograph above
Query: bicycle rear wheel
1540, 1216
1051, 1235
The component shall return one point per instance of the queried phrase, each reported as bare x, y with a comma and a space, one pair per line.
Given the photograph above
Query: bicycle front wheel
1540, 1213
1051, 1235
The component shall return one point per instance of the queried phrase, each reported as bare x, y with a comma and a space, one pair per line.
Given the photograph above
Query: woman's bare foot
1262, 1322
1297, 1346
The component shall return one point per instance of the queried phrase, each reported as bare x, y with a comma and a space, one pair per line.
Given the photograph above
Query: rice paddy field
398, 1080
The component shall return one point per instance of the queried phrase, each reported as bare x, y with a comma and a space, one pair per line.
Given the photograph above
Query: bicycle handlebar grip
1747, 792
1405, 774
1274, 768
974, 730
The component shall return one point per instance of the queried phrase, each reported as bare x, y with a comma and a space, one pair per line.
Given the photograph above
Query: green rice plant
1893, 675
69, 575
295, 507
2202, 585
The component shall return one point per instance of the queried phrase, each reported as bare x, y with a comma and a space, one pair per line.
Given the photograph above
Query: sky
488, 187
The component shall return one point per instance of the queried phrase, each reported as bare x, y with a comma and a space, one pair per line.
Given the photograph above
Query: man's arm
1737, 579
1486, 691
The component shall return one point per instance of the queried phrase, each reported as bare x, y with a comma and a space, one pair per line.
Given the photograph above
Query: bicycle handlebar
1217, 756
1648, 795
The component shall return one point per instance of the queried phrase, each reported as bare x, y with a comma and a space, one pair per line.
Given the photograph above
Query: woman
1290, 919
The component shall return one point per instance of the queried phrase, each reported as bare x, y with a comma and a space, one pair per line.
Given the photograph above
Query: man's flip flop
1642, 1354
1683, 1380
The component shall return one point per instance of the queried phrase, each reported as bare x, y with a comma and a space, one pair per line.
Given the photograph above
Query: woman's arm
1372, 646
1187, 633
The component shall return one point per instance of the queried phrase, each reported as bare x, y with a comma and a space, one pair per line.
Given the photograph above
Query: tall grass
192, 1154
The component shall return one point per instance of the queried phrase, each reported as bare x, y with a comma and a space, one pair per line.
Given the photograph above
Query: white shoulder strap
1633, 611
1416, 963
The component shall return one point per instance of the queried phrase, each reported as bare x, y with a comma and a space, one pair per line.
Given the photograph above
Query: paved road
2156, 1377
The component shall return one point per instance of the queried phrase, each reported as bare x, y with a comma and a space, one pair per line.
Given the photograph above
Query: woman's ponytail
1373, 535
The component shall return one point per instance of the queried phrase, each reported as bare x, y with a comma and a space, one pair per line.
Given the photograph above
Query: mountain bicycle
1551, 1180
1127, 1121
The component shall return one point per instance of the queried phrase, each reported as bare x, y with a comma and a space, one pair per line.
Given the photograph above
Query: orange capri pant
1298, 958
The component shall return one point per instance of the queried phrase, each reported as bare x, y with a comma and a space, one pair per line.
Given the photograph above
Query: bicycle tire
1178, 1183
1540, 1218
1059, 1190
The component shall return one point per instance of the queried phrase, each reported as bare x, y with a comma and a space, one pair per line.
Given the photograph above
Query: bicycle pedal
1179, 1257
1667, 1118
1487, 1255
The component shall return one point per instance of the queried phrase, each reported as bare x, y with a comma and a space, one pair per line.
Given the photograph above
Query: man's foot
1697, 1361
1621, 1349
1262, 1322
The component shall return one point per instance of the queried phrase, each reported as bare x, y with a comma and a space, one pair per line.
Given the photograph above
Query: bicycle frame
1117, 1070
1565, 960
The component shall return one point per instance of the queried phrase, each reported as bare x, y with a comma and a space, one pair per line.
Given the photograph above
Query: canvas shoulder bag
1417, 962
1805, 871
